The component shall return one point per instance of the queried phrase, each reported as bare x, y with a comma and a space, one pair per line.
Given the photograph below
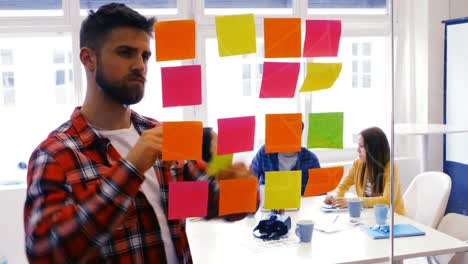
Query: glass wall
42, 81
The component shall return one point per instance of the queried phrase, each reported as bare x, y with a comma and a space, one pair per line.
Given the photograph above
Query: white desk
425, 130
223, 242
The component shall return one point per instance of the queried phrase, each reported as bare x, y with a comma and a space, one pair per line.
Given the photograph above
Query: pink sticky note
279, 79
236, 134
181, 85
188, 199
322, 38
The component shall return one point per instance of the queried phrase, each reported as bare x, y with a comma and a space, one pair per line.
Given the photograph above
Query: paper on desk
328, 224
257, 245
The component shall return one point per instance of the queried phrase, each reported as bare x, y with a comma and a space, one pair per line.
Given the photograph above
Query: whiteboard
457, 90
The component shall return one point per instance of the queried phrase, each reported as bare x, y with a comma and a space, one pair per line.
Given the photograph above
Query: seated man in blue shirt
285, 161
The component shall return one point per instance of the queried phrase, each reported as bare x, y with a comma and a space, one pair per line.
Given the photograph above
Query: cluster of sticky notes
283, 133
236, 35
182, 86
283, 188
190, 198
282, 39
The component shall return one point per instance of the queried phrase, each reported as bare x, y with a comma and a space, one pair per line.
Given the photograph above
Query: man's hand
235, 171
147, 149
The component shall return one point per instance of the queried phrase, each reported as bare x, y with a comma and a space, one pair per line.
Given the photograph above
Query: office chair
455, 225
426, 197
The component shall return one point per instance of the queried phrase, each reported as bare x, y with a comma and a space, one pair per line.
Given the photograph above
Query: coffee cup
380, 211
355, 207
304, 230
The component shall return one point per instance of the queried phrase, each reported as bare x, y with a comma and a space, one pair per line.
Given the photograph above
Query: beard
117, 90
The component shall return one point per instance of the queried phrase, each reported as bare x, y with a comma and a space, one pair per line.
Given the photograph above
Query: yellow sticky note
236, 34
320, 76
218, 163
282, 189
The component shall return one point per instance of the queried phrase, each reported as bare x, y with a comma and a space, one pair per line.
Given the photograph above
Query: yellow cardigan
353, 178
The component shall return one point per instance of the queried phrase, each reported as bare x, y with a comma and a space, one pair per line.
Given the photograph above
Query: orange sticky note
182, 140
283, 132
282, 37
238, 196
323, 180
175, 40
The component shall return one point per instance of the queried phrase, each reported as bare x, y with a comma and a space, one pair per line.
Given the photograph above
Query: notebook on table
400, 230
329, 208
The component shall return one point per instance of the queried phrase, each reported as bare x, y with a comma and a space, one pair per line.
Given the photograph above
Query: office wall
419, 72
458, 8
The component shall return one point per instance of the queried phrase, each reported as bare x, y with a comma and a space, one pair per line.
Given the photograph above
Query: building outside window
362, 75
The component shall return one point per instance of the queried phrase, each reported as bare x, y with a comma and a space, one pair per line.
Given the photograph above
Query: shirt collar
89, 135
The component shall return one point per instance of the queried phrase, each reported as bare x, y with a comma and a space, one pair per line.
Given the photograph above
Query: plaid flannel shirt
263, 162
84, 204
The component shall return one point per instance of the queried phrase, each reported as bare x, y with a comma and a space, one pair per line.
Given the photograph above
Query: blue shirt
263, 162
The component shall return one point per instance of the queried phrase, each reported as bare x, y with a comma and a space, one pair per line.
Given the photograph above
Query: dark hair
377, 157
206, 144
99, 24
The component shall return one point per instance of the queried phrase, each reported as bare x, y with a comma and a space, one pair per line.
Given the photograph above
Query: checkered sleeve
59, 227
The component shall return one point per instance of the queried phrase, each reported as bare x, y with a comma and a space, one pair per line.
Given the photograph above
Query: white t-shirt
123, 140
286, 163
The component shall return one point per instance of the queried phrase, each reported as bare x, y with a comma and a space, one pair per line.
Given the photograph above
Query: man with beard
97, 188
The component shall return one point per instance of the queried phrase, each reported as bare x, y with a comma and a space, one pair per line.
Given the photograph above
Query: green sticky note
282, 189
320, 76
219, 162
236, 34
325, 130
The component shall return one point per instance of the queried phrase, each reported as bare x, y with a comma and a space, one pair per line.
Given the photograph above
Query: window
347, 6
28, 93
59, 56
248, 6
8, 79
9, 97
143, 6
31, 8
8, 90
59, 77
361, 61
6, 57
